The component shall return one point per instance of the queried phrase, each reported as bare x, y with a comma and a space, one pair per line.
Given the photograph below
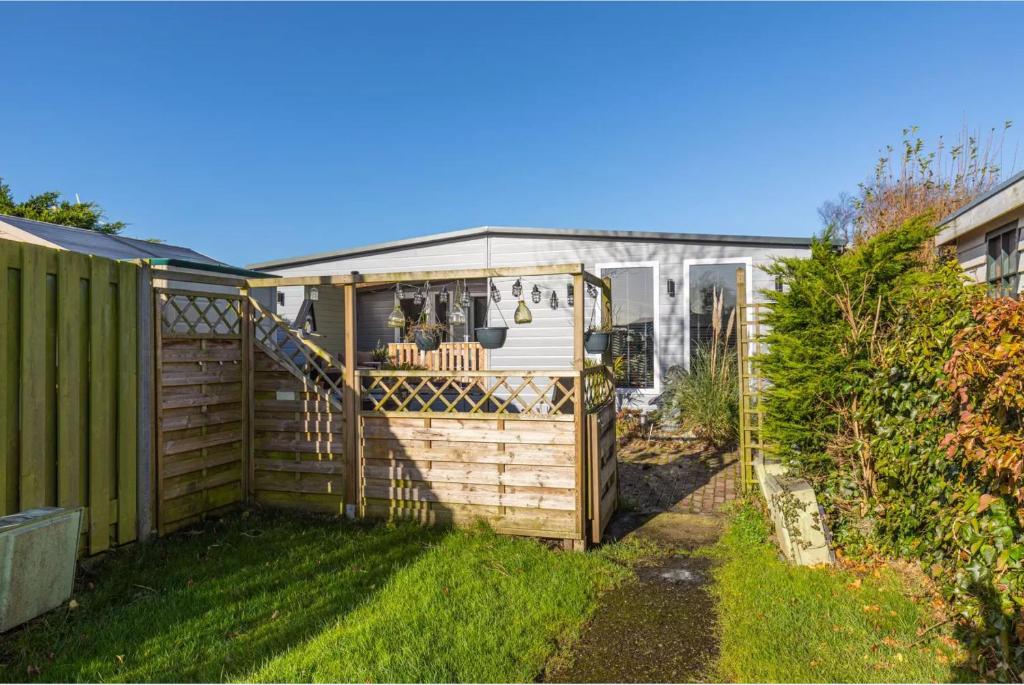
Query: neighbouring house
988, 235
663, 285
182, 260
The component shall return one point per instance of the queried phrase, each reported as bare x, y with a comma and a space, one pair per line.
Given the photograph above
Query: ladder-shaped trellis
749, 343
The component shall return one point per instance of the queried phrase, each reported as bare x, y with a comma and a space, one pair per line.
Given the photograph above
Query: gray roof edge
981, 199
462, 234
140, 244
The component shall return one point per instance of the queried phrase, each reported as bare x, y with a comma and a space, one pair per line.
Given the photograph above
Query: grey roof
103, 245
586, 234
987, 196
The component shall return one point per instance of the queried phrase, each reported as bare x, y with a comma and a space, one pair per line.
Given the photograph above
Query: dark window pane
708, 282
633, 324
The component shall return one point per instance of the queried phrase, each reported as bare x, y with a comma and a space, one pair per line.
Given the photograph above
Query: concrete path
660, 628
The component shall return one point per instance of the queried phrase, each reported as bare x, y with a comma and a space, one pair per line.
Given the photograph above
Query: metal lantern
523, 313
417, 297
570, 296
428, 303
442, 296
535, 294
517, 288
591, 290
465, 301
554, 300
495, 294
457, 316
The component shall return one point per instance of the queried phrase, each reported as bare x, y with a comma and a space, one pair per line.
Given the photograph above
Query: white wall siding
547, 342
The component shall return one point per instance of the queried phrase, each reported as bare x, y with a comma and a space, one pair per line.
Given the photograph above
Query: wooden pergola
427, 423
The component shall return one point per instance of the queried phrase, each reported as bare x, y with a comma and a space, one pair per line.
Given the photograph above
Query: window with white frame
1002, 261
633, 324
712, 299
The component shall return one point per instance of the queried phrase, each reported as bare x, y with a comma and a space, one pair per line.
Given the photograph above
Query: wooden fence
504, 446
202, 390
69, 387
244, 410
449, 356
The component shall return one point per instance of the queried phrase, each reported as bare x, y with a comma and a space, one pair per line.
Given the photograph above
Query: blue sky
258, 131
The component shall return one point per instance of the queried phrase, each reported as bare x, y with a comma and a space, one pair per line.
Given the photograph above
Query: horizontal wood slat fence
202, 390
69, 387
503, 446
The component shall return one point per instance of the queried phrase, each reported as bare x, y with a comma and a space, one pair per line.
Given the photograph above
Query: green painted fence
69, 387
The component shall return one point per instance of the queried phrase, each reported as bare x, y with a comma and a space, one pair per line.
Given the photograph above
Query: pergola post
350, 402
578, 358
606, 315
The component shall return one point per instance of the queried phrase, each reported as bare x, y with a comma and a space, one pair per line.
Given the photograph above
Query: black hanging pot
427, 341
596, 342
491, 337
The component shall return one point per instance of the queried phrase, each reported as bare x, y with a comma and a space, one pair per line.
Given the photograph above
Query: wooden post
578, 357
350, 402
248, 399
606, 316
744, 390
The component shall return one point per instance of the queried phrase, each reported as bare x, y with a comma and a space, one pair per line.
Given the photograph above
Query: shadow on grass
212, 603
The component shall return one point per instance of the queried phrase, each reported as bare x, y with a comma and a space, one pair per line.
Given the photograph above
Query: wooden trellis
749, 342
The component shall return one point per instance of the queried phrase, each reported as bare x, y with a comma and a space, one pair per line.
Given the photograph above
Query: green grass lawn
782, 623
276, 597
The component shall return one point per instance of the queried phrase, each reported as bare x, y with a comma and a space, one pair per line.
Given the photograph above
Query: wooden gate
203, 358
603, 469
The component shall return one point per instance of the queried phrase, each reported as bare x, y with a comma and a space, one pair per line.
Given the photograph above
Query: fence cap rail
506, 373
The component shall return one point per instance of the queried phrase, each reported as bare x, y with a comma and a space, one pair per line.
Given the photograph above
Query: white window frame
656, 275
748, 264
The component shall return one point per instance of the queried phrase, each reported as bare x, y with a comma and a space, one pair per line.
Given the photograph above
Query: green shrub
904, 407
706, 396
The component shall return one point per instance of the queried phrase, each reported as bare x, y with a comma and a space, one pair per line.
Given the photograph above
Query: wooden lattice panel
272, 334
508, 392
598, 387
192, 315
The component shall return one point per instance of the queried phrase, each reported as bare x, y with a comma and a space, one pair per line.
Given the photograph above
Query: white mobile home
662, 285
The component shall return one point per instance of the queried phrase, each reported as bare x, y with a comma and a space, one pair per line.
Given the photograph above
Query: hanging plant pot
491, 337
596, 342
427, 341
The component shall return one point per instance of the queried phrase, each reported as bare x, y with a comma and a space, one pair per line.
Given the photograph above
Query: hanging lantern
523, 314
517, 288
397, 318
457, 316
591, 290
428, 303
495, 294
535, 294
465, 301
417, 297
554, 300
570, 298
442, 296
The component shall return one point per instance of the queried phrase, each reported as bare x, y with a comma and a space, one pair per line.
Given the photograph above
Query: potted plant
426, 335
492, 337
596, 340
